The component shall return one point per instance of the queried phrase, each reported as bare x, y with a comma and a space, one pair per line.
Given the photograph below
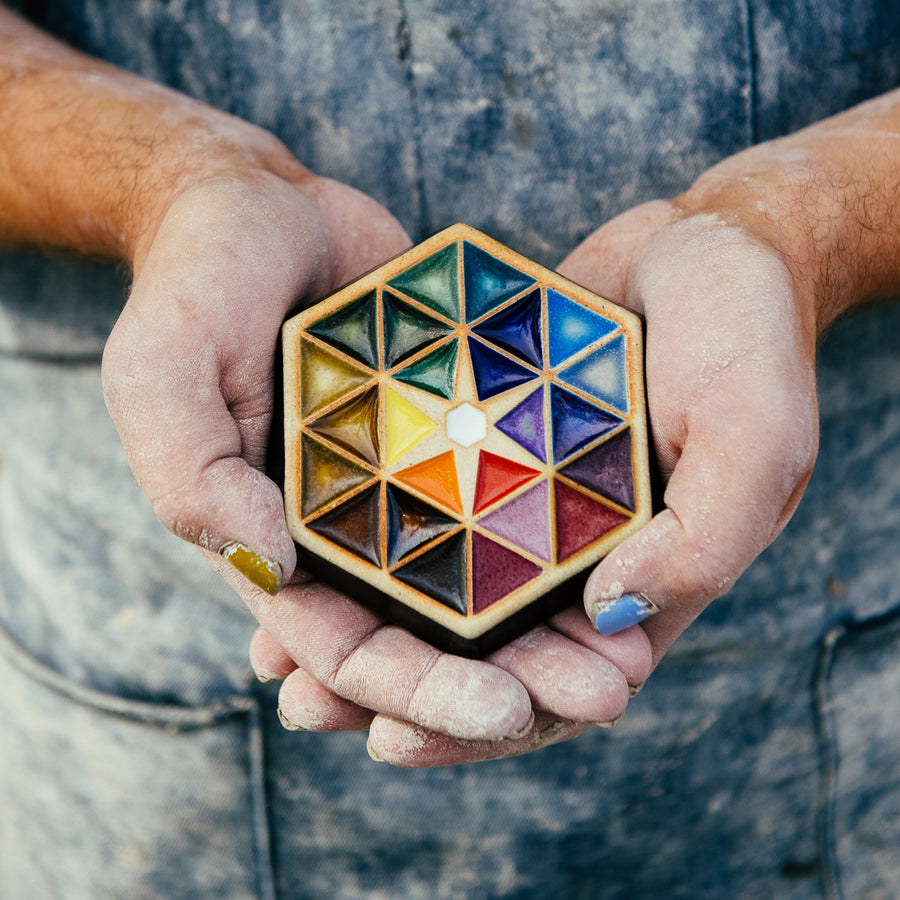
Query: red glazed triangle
497, 477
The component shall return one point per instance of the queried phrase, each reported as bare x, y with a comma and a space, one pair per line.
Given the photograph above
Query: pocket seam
159, 714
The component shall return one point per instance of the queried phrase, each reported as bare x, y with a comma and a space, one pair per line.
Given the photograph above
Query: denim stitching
829, 762
843, 633
750, 108
405, 57
160, 715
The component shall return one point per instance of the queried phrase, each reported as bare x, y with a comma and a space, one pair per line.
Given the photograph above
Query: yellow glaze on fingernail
262, 572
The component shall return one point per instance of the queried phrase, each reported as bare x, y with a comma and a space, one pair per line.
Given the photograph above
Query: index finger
352, 652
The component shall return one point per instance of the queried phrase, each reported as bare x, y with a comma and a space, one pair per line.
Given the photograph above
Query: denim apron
139, 758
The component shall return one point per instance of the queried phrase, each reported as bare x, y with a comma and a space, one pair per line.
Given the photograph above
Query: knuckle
174, 512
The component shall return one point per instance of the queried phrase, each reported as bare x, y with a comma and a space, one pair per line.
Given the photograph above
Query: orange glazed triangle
435, 478
497, 477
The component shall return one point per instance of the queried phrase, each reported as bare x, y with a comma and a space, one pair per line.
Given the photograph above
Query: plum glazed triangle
465, 437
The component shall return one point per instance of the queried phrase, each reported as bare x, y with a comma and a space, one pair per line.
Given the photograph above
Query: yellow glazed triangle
405, 425
325, 377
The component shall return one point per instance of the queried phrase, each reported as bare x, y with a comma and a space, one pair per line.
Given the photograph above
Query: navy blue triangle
517, 329
494, 372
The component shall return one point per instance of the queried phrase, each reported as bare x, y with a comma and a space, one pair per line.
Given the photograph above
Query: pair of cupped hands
188, 376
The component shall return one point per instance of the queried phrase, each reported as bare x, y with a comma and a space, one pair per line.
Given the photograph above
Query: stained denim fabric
137, 757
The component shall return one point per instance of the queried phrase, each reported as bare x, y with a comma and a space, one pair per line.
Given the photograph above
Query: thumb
194, 447
732, 397
738, 479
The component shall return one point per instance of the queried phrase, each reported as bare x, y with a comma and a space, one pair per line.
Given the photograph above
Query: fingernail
548, 734
635, 689
613, 616
264, 573
287, 723
265, 677
372, 753
611, 724
526, 729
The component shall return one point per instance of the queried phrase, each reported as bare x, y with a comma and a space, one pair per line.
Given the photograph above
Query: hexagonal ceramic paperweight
465, 437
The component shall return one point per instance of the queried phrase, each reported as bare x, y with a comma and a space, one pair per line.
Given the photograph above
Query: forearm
826, 198
91, 156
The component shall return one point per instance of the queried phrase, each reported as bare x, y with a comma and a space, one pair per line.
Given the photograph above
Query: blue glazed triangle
517, 329
494, 372
576, 423
602, 374
489, 281
572, 327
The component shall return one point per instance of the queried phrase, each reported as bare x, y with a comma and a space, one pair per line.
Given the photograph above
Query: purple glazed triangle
525, 424
606, 470
524, 521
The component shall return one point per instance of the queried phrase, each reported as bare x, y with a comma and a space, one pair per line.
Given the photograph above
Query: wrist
821, 199
204, 149
92, 156
797, 218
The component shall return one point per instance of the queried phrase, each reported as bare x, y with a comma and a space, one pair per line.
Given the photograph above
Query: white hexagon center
466, 425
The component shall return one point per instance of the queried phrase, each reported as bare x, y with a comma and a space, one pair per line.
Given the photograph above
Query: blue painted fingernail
613, 616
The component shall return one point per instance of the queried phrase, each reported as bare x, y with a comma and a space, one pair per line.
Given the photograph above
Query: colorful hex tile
465, 437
